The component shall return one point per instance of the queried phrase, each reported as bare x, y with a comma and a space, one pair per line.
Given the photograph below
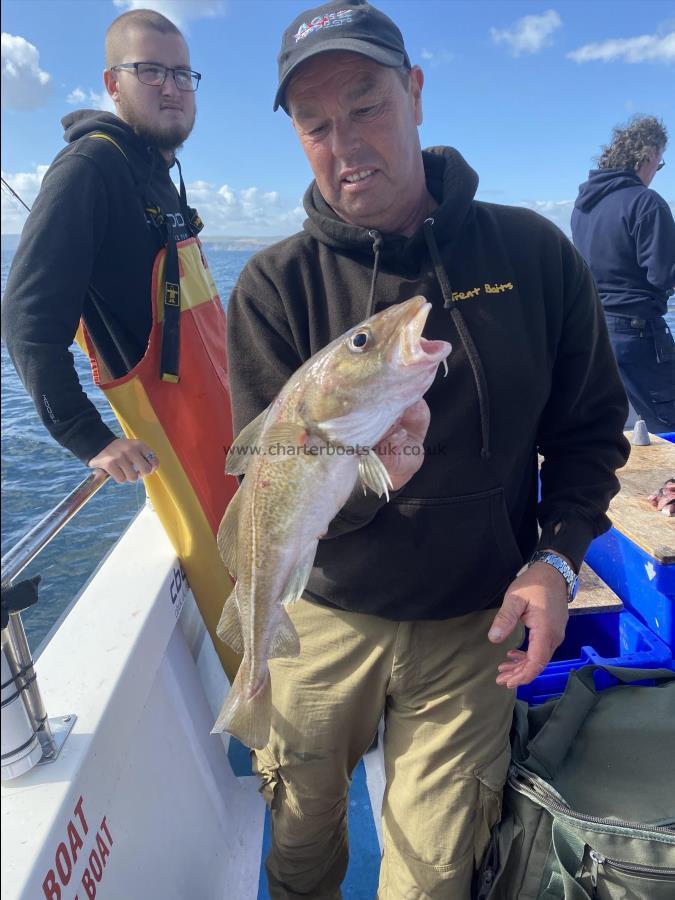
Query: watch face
574, 588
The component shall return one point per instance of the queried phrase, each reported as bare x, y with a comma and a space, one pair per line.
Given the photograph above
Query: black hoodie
626, 234
535, 373
87, 229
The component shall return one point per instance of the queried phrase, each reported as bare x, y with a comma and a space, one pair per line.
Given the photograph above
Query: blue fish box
646, 586
605, 639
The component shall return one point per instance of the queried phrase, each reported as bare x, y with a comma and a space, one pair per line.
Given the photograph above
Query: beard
169, 138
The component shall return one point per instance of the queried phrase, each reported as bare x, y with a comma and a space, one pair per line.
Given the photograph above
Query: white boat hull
142, 801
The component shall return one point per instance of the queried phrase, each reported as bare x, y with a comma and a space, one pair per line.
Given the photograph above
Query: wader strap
168, 367
191, 214
170, 355
106, 137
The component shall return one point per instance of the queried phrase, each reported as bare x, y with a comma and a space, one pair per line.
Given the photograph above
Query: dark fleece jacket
455, 536
626, 233
87, 229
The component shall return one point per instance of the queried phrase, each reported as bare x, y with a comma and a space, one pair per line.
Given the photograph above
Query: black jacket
455, 536
626, 234
87, 229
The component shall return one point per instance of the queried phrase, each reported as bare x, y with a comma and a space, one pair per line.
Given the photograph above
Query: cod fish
302, 457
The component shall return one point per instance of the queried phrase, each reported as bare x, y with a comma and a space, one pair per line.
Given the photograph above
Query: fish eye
360, 340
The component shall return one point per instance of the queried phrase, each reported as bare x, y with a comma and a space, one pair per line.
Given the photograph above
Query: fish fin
356, 428
247, 720
227, 534
287, 434
373, 474
300, 576
228, 628
285, 643
239, 454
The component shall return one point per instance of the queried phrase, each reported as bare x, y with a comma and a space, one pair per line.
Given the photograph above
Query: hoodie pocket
422, 558
467, 540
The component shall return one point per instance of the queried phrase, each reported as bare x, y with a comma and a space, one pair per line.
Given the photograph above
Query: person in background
112, 245
626, 233
415, 608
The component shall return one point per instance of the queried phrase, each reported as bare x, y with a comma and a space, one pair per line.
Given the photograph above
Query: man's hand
401, 450
125, 460
538, 599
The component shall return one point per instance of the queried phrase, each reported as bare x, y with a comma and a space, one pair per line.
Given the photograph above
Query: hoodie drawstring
464, 334
378, 244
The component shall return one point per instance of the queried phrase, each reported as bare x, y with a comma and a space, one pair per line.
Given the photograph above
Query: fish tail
246, 719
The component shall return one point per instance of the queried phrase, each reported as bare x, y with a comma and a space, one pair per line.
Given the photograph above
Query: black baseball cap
355, 26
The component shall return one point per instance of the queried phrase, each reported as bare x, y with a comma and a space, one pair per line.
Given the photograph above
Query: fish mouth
414, 350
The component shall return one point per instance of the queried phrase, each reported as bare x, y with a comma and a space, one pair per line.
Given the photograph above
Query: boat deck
364, 827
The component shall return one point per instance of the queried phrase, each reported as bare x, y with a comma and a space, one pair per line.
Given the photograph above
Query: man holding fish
419, 571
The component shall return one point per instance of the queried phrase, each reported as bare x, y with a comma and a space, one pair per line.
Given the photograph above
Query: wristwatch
562, 566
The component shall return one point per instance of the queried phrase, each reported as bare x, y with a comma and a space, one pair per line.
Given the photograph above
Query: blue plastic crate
646, 586
606, 639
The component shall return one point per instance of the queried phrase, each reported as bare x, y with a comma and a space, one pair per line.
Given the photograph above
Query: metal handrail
23, 553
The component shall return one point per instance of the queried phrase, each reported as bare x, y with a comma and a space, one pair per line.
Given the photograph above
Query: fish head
373, 372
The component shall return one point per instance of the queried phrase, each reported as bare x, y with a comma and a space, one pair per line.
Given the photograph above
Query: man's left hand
538, 599
401, 450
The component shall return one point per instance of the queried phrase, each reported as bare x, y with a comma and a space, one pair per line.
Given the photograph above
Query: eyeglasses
155, 74
660, 165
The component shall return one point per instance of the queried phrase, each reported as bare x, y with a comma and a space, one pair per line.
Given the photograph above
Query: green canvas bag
589, 804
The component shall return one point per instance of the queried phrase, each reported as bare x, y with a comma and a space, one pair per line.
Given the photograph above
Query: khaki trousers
446, 750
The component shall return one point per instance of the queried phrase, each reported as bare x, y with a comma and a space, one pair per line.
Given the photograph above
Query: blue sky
527, 92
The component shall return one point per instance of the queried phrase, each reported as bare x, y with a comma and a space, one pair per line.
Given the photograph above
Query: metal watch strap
561, 565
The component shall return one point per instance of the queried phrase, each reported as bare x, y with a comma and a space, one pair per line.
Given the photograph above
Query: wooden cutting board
631, 513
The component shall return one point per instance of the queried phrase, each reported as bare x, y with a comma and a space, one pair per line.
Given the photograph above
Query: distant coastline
240, 243
217, 242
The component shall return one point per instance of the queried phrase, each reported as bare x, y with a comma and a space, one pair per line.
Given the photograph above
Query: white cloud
101, 101
24, 84
76, 97
90, 100
529, 34
436, 57
225, 210
179, 11
558, 211
26, 184
645, 48
249, 211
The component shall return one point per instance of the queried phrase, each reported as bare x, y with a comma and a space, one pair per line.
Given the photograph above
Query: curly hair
632, 145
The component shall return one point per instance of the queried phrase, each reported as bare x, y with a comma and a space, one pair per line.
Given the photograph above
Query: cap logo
331, 20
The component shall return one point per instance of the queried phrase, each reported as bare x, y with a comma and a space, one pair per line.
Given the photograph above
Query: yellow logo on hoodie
484, 288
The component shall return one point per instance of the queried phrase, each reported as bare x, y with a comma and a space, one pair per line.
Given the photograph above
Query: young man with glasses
626, 233
111, 245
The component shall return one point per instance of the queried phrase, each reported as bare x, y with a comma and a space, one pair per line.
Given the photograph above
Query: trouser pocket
491, 778
267, 770
664, 345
